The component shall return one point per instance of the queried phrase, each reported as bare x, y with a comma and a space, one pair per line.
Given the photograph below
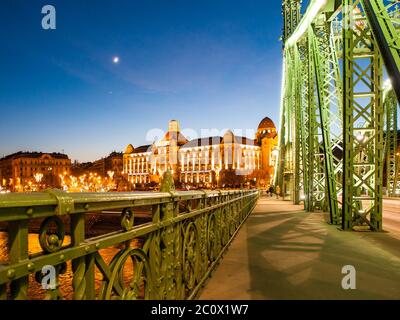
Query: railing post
90, 278
3, 292
78, 265
18, 251
154, 253
172, 239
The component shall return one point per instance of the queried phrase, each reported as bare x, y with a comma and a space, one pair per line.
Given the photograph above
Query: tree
258, 178
229, 178
124, 185
177, 177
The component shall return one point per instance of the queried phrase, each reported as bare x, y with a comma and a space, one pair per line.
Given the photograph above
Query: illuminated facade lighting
201, 161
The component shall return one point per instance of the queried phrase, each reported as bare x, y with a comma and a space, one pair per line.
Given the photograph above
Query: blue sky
208, 64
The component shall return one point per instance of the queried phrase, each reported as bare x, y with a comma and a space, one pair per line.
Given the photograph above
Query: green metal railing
177, 250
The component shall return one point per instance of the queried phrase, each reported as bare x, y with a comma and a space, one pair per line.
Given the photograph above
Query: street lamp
38, 178
275, 152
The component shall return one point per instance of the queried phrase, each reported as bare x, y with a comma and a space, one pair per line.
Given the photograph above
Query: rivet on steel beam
29, 212
11, 274
87, 248
30, 266
97, 245
62, 257
86, 207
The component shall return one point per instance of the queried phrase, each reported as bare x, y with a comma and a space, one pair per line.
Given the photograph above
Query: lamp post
38, 178
111, 176
217, 174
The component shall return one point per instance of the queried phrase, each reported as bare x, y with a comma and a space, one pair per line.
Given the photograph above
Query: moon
116, 60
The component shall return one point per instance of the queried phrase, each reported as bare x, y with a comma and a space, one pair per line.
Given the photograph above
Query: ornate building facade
23, 168
203, 161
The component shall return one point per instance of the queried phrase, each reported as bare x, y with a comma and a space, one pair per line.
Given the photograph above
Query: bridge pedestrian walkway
283, 252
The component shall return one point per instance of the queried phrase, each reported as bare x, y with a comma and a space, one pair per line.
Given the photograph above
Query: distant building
111, 163
80, 168
204, 161
23, 168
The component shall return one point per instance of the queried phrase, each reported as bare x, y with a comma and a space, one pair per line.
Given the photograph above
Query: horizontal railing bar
22, 206
92, 245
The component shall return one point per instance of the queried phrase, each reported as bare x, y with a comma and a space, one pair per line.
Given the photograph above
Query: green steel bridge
340, 93
338, 134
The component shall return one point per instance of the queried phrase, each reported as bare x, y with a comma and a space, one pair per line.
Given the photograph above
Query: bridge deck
284, 253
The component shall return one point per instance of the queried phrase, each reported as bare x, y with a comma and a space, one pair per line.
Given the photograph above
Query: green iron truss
285, 170
291, 14
392, 154
333, 145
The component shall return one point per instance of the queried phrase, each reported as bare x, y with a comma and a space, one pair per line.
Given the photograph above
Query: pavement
282, 252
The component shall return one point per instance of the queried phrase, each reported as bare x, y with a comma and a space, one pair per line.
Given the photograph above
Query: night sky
209, 64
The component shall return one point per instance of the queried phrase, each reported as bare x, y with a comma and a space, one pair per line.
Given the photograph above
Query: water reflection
35, 291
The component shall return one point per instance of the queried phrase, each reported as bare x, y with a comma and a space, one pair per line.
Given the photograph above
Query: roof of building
211, 141
245, 141
230, 137
203, 142
142, 149
176, 136
115, 154
129, 149
266, 123
25, 154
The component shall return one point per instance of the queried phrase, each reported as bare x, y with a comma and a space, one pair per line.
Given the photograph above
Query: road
283, 252
391, 216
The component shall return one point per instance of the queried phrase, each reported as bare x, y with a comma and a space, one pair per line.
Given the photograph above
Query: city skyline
158, 134
89, 87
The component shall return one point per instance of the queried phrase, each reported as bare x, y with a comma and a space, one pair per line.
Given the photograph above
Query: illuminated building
267, 139
112, 162
23, 168
203, 161
147, 163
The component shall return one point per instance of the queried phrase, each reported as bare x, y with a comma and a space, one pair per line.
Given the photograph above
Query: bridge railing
168, 258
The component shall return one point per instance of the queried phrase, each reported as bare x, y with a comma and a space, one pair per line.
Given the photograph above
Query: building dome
129, 149
266, 123
266, 129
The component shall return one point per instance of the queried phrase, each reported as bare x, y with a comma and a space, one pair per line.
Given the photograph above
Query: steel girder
363, 122
290, 131
329, 109
391, 152
305, 129
286, 170
318, 187
339, 118
297, 139
291, 16
278, 179
302, 155
383, 18
304, 159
